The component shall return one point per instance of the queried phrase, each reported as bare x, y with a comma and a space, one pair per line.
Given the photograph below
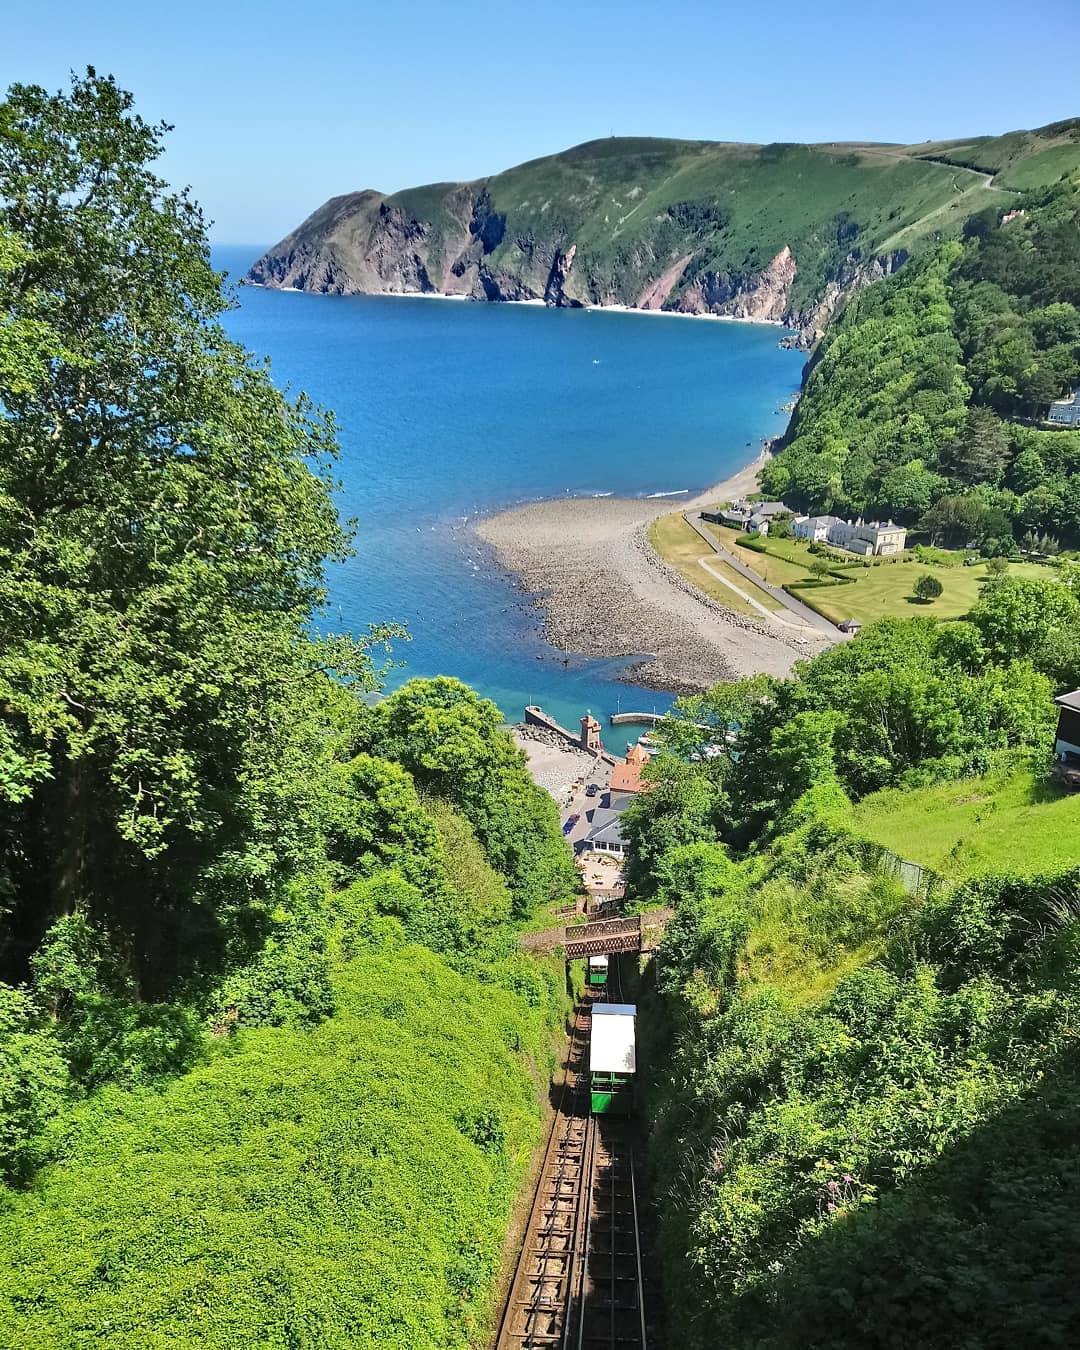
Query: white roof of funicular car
611, 1046
598, 961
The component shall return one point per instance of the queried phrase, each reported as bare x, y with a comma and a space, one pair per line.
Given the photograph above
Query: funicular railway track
578, 1282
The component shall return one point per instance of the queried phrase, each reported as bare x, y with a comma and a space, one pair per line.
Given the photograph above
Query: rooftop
606, 828
627, 778
1071, 701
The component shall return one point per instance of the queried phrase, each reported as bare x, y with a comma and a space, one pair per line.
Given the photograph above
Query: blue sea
446, 411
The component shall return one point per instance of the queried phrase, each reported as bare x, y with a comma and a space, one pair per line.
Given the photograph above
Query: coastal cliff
780, 233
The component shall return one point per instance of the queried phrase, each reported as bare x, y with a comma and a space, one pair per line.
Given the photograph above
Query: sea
450, 410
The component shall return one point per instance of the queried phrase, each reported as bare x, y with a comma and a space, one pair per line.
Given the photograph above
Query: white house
1066, 411
867, 539
814, 528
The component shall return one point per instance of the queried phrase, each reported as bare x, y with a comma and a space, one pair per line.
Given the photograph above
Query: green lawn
885, 591
681, 546
1016, 820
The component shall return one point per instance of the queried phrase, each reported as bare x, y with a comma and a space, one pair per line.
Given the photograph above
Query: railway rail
578, 1283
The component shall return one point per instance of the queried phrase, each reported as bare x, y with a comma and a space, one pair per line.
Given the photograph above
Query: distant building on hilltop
1066, 411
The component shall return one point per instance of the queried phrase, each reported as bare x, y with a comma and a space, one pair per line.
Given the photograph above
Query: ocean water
449, 410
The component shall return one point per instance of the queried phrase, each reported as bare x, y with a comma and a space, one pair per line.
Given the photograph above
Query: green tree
981, 449
927, 587
453, 743
166, 517
1016, 615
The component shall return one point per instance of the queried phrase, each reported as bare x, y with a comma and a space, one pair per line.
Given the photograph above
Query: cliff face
761, 295
782, 233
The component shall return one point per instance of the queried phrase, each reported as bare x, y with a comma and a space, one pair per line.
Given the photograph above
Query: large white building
1066, 411
866, 538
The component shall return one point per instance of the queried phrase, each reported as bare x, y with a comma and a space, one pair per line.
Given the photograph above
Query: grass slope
1014, 820
345, 1186
637, 209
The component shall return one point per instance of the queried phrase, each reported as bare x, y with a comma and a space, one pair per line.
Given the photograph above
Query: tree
166, 520
453, 744
980, 451
952, 520
819, 569
997, 567
1017, 616
927, 588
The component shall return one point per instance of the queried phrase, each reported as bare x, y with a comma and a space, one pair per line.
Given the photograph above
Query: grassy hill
699, 226
1014, 820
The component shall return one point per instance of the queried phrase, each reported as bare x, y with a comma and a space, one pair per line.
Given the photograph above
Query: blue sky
279, 106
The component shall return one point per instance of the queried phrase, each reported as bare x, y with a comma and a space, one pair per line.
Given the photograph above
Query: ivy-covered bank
858, 1152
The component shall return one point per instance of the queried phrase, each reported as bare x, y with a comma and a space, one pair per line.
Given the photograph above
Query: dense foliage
343, 1186
864, 1115
269, 1057
885, 1156
922, 401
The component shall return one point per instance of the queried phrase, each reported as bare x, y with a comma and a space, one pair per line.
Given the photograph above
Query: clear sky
278, 106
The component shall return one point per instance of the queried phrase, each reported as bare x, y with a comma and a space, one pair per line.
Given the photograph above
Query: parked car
571, 821
592, 789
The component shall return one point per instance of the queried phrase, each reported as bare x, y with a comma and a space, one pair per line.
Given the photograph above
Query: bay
449, 410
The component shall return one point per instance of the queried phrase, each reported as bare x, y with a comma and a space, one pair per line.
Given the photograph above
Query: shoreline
586, 562
535, 302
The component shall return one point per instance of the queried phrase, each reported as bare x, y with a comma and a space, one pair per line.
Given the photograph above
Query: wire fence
915, 879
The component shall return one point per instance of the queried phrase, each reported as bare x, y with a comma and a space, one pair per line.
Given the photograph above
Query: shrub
927, 587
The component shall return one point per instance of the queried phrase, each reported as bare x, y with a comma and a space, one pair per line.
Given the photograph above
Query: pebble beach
605, 593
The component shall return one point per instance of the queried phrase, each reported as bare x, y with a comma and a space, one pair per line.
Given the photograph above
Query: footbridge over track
605, 937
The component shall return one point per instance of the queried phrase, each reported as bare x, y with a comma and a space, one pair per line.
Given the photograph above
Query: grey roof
1069, 700
769, 508
606, 827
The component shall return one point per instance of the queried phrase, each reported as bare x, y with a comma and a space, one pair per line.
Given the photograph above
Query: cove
448, 410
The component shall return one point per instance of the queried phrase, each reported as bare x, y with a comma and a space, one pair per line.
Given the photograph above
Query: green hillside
1014, 820
692, 225
926, 401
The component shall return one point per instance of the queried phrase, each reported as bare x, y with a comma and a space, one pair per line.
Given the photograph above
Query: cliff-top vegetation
694, 225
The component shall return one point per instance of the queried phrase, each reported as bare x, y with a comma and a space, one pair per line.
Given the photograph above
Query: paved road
797, 607
583, 806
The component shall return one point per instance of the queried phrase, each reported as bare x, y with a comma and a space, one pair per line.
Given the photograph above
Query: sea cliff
778, 232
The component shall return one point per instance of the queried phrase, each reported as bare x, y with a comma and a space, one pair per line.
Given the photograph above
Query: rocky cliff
783, 233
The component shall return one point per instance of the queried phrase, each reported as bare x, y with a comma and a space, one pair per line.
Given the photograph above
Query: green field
881, 591
682, 547
885, 591
1017, 820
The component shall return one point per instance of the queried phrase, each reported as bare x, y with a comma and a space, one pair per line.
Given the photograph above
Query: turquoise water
450, 410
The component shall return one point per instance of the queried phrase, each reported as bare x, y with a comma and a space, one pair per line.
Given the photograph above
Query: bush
927, 587
347, 1185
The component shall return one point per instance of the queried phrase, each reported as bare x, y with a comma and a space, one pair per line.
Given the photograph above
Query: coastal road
583, 806
804, 612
